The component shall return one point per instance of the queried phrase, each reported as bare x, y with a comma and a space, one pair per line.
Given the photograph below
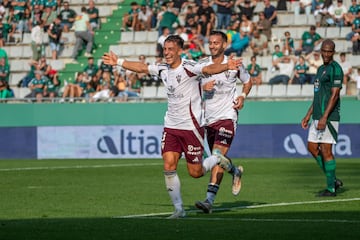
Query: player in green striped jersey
325, 112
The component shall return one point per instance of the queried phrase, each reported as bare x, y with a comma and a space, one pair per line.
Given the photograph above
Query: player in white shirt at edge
183, 132
221, 114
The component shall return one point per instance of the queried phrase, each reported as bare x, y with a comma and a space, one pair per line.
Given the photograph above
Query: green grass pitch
126, 199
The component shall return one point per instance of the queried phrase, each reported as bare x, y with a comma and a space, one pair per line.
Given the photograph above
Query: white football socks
172, 183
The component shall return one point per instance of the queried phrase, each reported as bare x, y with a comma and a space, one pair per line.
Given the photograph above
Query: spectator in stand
168, 19
24, 25
5, 91
88, 90
105, 68
264, 26
19, 8
4, 70
247, 26
204, 27
3, 54
352, 13
37, 86
309, 41
74, 90
286, 66
36, 15
246, 7
314, 61
54, 33
259, 44
353, 36
144, 18
276, 55
106, 88
288, 44
304, 6
2, 10
37, 45
180, 30
53, 4
48, 17
52, 85
130, 19
224, 11
12, 20
254, 70
281, 5
337, 12
206, 9
160, 43
321, 13
191, 18
40, 65
237, 41
5, 29
91, 68
300, 72
83, 34
270, 12
346, 67
67, 17
93, 13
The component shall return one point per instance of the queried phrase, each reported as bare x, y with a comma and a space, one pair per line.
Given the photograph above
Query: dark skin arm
335, 93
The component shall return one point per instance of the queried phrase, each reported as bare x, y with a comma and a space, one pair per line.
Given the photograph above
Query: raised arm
113, 60
232, 64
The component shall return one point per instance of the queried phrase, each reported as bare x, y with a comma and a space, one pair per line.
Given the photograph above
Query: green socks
330, 167
320, 162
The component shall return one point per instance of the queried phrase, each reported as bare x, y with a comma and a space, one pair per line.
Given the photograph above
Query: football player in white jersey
221, 104
183, 132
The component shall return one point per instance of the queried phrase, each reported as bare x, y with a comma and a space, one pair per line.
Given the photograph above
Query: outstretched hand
110, 58
234, 64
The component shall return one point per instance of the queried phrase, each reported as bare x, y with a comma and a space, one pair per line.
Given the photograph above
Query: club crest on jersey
316, 85
227, 74
178, 78
219, 84
171, 89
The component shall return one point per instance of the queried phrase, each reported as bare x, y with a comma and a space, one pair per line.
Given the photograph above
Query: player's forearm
247, 87
332, 102
214, 69
134, 66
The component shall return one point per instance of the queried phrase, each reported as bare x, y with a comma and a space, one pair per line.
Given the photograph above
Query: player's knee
196, 172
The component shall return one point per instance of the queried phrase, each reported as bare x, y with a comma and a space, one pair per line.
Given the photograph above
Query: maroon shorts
189, 142
221, 133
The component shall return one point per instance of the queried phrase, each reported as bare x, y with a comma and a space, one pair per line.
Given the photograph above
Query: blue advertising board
18, 142
289, 140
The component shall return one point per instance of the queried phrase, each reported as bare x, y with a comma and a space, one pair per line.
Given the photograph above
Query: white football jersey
184, 93
218, 103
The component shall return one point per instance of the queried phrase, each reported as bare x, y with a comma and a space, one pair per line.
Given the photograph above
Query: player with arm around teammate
325, 113
221, 104
182, 123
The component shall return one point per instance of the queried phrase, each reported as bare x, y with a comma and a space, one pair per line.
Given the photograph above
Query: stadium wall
133, 130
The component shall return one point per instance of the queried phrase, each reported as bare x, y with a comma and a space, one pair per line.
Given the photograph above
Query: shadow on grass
219, 225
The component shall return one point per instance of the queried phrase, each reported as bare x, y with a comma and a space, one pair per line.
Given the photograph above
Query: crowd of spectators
193, 20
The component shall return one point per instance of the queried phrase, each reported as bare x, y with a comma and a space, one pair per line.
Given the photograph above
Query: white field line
158, 215
80, 167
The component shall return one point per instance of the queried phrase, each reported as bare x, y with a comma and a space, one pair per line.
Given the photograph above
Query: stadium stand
130, 44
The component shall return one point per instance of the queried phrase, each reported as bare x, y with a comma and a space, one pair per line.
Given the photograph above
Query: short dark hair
176, 39
219, 33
